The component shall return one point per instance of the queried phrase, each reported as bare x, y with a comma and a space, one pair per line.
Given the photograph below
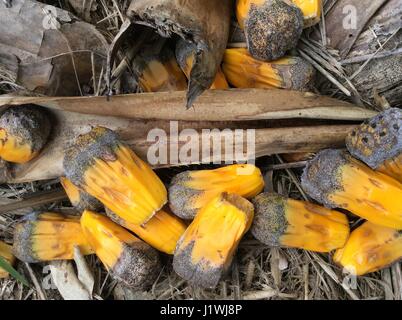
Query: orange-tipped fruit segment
378, 143
370, 248
191, 190
49, 236
161, 232
156, 70
185, 55
243, 71
272, 27
78, 198
337, 180
101, 165
283, 222
205, 251
128, 258
6, 253
311, 10
23, 133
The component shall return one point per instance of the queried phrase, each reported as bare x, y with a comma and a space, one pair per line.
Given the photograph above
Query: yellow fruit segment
13, 149
314, 227
126, 185
370, 248
6, 253
161, 232
392, 168
158, 76
105, 237
243, 8
71, 190
207, 247
191, 190
311, 10
49, 236
244, 71
369, 194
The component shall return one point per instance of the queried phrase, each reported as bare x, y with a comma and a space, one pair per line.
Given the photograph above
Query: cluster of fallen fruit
209, 211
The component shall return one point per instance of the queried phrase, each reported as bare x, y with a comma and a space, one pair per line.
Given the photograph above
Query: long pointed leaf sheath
101, 165
243, 71
283, 222
311, 10
370, 248
338, 180
272, 27
49, 236
161, 232
189, 191
78, 198
378, 143
185, 55
205, 251
23, 133
6, 253
127, 258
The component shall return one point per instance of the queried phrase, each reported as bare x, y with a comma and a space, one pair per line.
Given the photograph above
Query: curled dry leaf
73, 286
48, 50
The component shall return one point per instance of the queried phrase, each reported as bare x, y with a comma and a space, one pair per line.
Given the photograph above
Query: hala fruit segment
191, 190
378, 143
311, 10
283, 222
156, 69
205, 251
370, 248
49, 236
129, 259
24, 131
101, 165
243, 71
6, 253
78, 198
185, 55
161, 232
337, 180
272, 27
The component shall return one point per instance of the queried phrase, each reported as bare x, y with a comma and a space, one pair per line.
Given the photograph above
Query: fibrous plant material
186, 55
243, 71
49, 236
203, 23
6, 253
369, 46
189, 191
101, 165
48, 50
156, 69
378, 143
370, 248
338, 180
205, 251
24, 131
272, 27
311, 10
284, 222
78, 198
126, 257
161, 232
